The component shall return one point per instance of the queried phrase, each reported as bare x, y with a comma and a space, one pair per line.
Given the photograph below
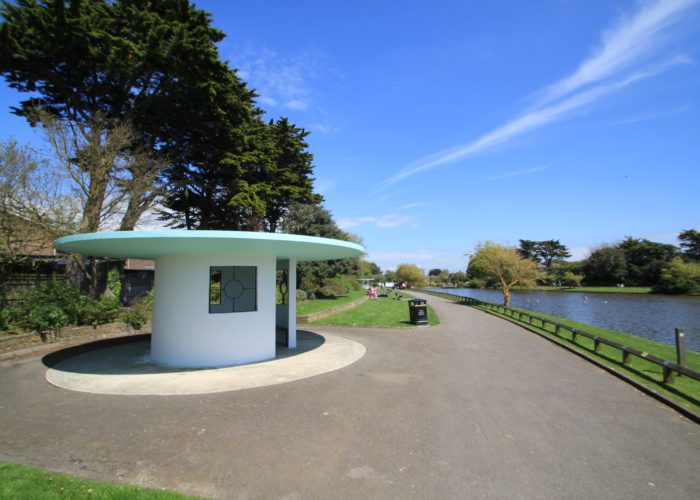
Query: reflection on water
653, 317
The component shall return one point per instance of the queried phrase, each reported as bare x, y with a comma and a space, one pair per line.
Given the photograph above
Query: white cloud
516, 173
412, 205
278, 77
384, 221
297, 104
634, 41
655, 115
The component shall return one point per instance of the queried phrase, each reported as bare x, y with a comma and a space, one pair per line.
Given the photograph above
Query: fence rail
670, 369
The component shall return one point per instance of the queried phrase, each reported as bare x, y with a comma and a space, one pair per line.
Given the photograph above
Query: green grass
19, 482
383, 313
684, 390
590, 289
313, 306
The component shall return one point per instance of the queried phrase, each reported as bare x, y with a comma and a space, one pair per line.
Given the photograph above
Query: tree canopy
544, 252
504, 265
410, 273
98, 65
690, 244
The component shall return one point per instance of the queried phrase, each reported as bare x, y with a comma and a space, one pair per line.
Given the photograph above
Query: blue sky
437, 125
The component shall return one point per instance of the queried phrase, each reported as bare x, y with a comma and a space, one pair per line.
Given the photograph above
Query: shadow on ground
130, 355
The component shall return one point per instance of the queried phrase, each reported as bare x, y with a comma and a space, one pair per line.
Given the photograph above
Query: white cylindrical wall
186, 334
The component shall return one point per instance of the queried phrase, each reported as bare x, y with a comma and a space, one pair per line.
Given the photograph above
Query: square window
233, 289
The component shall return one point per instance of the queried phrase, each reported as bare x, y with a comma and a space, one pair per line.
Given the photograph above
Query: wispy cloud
281, 80
629, 53
409, 206
655, 115
635, 39
516, 173
383, 221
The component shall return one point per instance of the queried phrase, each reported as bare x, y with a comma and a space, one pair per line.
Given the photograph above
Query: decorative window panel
233, 289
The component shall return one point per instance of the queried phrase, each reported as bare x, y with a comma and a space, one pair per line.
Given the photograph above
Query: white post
292, 300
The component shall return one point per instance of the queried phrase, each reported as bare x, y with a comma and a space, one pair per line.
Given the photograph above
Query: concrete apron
124, 367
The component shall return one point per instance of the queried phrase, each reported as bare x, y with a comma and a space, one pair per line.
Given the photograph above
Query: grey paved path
475, 408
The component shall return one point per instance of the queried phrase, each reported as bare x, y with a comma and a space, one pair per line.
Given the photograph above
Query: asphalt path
474, 408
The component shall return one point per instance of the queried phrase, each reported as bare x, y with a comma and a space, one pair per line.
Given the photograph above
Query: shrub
5, 316
140, 312
331, 290
114, 281
46, 318
679, 277
302, 296
99, 312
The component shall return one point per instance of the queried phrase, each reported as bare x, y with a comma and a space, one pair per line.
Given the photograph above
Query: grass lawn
313, 306
383, 312
17, 481
684, 390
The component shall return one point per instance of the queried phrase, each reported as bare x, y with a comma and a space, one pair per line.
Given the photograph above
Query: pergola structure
215, 302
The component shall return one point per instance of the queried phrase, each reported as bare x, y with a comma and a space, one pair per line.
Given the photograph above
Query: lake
652, 317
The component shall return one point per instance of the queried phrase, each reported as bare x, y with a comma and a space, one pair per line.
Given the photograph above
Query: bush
679, 277
140, 312
302, 296
5, 316
77, 307
331, 290
99, 312
46, 318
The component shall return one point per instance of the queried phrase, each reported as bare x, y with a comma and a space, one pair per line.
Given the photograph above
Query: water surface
653, 317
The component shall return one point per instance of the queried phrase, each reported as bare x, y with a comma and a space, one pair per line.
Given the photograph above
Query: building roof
153, 244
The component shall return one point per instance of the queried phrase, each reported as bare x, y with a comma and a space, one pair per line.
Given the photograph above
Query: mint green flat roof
153, 244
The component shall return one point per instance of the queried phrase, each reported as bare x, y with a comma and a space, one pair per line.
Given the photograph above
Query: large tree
645, 260
411, 274
544, 252
95, 64
503, 265
690, 244
34, 208
606, 266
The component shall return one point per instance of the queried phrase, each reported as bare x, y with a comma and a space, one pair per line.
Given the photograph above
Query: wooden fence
670, 369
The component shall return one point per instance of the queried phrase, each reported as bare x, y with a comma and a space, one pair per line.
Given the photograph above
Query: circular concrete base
124, 367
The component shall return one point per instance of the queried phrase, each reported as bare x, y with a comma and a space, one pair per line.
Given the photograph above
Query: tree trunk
506, 294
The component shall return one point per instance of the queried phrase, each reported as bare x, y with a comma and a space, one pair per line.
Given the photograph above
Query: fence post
669, 375
681, 358
596, 344
626, 357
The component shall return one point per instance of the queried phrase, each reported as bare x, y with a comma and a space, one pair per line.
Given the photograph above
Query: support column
292, 300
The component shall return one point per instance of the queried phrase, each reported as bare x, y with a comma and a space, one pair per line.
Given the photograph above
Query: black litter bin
418, 311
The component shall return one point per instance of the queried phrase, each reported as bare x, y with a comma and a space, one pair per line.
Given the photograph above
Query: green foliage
544, 252
5, 317
302, 296
645, 259
503, 265
690, 244
46, 318
139, 313
331, 290
679, 277
314, 220
78, 308
114, 280
101, 311
606, 266
411, 274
